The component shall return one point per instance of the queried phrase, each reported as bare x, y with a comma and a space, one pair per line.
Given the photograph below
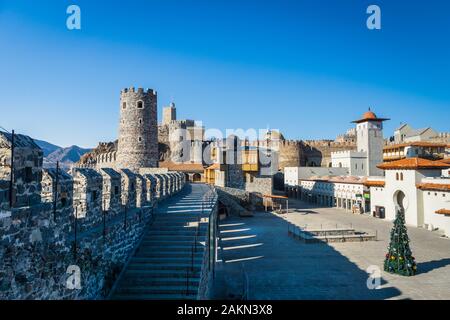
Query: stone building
27, 173
242, 167
138, 129
181, 141
169, 114
421, 149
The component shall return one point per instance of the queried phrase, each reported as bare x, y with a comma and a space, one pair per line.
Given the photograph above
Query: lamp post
56, 191
11, 181
75, 232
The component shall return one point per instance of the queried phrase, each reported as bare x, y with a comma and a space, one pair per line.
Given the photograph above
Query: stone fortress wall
85, 222
301, 153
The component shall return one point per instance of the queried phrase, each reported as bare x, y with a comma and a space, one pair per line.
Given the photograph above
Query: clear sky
307, 67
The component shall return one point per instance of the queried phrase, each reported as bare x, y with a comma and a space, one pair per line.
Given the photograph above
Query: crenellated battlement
87, 218
139, 90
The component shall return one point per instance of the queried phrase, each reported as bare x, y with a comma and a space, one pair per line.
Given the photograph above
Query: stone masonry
138, 129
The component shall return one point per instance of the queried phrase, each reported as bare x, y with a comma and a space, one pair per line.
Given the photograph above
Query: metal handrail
130, 256
245, 284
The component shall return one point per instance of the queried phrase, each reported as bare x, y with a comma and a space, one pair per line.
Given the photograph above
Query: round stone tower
138, 129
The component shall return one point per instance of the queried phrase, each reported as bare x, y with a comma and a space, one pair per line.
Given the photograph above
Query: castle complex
142, 142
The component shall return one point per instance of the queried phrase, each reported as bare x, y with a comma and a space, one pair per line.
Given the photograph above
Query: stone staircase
168, 260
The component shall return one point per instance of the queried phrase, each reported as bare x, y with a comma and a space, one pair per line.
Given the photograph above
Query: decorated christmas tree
399, 258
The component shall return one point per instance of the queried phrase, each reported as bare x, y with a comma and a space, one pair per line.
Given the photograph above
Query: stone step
173, 248
168, 254
157, 290
175, 233
165, 237
167, 242
161, 281
167, 296
161, 273
163, 260
167, 266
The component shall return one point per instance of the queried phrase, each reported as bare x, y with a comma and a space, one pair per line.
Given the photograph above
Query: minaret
369, 139
138, 129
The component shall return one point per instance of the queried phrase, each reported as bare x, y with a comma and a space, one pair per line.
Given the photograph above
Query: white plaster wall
291, 176
433, 201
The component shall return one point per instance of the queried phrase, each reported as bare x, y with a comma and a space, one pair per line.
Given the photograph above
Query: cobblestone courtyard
280, 267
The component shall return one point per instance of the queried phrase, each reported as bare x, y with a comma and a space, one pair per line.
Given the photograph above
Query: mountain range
65, 156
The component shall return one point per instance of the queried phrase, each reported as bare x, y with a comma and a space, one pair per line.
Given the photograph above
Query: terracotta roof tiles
413, 164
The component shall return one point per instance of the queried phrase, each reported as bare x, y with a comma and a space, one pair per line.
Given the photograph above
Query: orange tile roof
443, 211
368, 116
184, 167
413, 164
375, 183
337, 179
445, 161
214, 166
433, 186
271, 196
416, 144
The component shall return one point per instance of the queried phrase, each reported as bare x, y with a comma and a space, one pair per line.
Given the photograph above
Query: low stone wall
261, 185
239, 202
47, 254
207, 272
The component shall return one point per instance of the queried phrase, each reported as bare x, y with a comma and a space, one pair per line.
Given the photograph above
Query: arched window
396, 176
401, 176
140, 105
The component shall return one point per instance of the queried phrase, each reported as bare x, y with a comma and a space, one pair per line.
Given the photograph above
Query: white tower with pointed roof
369, 139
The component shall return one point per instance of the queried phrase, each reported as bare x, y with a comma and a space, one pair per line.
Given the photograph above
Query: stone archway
196, 177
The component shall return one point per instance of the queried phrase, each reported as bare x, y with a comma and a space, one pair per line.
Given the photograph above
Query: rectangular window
116, 190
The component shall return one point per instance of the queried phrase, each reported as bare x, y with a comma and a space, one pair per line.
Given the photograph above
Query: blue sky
305, 67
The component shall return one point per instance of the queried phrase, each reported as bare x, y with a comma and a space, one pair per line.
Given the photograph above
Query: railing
209, 202
101, 228
245, 284
132, 253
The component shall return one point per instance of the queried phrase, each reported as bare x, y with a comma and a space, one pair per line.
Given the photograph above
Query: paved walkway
280, 267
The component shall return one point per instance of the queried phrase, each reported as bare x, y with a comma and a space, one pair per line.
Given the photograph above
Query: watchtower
138, 129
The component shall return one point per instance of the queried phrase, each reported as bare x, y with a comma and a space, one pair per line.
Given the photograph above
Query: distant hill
65, 156
46, 147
